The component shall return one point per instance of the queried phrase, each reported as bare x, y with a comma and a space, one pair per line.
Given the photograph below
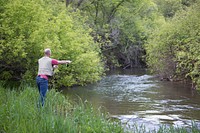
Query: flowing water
134, 97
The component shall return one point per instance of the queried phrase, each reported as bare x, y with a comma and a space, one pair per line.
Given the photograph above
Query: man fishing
45, 70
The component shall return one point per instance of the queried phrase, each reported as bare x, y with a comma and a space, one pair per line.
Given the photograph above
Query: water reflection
135, 97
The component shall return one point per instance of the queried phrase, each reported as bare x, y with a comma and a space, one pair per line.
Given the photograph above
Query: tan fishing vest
45, 66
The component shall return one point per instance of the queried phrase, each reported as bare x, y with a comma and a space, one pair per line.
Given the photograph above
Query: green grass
165, 129
19, 114
171, 129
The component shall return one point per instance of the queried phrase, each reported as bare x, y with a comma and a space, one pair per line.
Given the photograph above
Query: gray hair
47, 51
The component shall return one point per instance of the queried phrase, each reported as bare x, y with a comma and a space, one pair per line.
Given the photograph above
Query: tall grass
19, 113
171, 129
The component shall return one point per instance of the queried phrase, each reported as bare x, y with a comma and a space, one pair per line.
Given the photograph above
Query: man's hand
68, 61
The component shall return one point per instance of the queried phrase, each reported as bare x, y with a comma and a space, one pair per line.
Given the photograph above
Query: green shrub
27, 27
173, 51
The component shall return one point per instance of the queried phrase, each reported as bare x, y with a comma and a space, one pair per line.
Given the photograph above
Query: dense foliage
27, 27
173, 50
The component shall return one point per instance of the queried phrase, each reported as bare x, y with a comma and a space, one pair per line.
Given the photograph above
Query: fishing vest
45, 66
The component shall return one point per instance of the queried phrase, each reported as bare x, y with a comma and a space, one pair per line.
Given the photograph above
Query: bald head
47, 52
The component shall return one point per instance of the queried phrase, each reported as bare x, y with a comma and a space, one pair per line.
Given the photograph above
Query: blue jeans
42, 87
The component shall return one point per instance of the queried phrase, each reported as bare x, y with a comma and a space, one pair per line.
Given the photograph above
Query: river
135, 97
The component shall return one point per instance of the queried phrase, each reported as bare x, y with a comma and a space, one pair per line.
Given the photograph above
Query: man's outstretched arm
64, 61
56, 62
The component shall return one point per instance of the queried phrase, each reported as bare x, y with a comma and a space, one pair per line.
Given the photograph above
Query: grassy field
19, 114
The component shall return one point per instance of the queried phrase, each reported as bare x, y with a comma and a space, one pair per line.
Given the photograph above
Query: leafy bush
27, 27
173, 50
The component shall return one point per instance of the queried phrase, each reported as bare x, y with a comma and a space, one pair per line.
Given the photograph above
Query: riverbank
20, 114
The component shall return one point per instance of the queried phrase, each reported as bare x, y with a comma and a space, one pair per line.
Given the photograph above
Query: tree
120, 27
